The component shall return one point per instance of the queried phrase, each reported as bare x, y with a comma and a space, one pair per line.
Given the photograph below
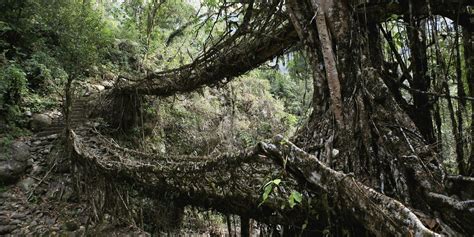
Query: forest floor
43, 202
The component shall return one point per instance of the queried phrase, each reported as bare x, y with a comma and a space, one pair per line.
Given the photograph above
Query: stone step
79, 110
82, 113
79, 107
80, 104
78, 115
49, 132
77, 119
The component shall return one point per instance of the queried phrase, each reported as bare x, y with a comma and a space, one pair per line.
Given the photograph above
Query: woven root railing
232, 184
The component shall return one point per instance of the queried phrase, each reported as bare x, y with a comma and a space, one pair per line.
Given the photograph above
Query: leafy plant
13, 89
295, 198
268, 189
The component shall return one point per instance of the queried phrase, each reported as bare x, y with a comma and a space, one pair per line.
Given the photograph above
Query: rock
109, 76
12, 171
20, 151
28, 113
27, 184
37, 169
39, 122
7, 229
278, 138
50, 221
107, 84
47, 150
99, 88
52, 137
4, 221
30, 162
5, 195
15, 222
18, 215
54, 114
13, 161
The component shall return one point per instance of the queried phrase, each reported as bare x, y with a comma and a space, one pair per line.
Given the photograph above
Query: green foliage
292, 87
295, 198
268, 189
45, 74
82, 37
13, 88
12, 85
219, 120
43, 43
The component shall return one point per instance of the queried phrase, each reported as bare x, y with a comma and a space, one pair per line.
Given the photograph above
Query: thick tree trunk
377, 143
469, 59
387, 169
421, 81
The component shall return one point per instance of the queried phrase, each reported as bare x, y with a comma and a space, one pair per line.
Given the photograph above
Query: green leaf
303, 227
266, 193
267, 190
295, 197
291, 201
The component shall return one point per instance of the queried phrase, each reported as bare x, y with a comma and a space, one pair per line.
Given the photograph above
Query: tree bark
469, 59
332, 75
244, 226
375, 141
420, 81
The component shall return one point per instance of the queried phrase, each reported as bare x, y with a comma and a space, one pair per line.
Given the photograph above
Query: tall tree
359, 125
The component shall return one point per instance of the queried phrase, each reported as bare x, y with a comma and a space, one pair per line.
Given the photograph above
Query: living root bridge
232, 183
221, 64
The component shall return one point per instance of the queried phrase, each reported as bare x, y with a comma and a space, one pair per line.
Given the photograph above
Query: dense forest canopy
301, 117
